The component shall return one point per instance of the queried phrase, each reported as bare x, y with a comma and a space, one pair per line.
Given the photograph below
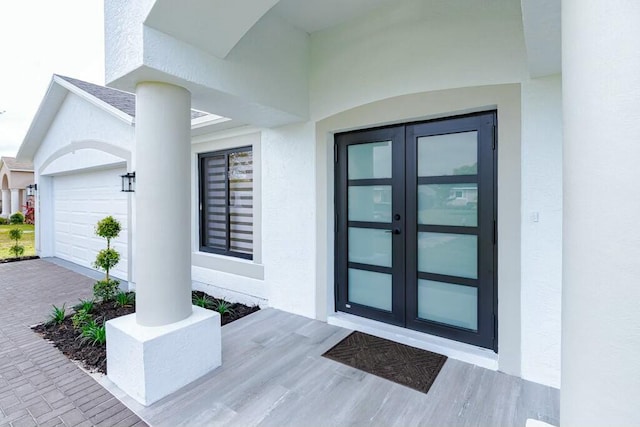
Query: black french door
416, 224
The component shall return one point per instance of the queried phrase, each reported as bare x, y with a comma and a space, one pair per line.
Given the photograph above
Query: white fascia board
53, 98
217, 133
41, 121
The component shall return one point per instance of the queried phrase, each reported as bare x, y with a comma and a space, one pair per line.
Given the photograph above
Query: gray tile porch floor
272, 374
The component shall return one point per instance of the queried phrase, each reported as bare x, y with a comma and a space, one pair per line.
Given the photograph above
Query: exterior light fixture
129, 182
31, 189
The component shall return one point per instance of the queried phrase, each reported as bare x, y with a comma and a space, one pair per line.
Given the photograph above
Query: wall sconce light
31, 189
129, 182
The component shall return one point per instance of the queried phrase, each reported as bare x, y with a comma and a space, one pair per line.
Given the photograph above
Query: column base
149, 363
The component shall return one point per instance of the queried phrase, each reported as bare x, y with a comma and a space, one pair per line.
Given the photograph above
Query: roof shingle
13, 165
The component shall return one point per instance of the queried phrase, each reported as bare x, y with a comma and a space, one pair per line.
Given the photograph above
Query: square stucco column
601, 236
15, 200
167, 343
6, 211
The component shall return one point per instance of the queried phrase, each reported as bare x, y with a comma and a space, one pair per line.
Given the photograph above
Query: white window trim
224, 141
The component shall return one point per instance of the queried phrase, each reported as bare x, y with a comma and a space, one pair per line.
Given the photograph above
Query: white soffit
542, 35
215, 26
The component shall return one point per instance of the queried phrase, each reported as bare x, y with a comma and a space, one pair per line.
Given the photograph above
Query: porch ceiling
541, 22
314, 15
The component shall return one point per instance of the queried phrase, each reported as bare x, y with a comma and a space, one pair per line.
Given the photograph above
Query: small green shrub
223, 307
57, 315
203, 301
3, 220
106, 260
17, 218
80, 318
108, 228
105, 290
94, 333
85, 304
17, 249
125, 299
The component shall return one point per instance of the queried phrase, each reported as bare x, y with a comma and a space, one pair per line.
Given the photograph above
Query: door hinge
495, 232
493, 142
495, 332
335, 153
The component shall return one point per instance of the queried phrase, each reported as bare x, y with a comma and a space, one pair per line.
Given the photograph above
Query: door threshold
468, 353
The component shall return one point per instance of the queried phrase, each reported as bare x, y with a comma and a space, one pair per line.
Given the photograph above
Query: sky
37, 39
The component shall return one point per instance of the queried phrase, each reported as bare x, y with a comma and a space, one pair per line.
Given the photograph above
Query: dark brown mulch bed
94, 357
22, 258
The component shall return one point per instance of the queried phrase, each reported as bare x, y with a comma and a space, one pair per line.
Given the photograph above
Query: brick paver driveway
39, 385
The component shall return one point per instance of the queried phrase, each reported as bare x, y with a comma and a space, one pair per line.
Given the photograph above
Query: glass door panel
450, 278
369, 245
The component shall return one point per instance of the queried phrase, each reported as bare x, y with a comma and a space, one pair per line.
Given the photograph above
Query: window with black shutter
226, 202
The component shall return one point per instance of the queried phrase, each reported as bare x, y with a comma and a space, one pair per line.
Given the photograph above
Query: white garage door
80, 201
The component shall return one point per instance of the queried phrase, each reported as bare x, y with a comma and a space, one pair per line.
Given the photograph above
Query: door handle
394, 231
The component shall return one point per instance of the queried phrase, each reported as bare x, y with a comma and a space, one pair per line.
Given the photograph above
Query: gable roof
118, 103
15, 166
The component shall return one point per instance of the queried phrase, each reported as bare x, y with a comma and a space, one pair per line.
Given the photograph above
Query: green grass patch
28, 239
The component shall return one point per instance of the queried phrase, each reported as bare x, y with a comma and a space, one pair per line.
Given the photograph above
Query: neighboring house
346, 120
15, 176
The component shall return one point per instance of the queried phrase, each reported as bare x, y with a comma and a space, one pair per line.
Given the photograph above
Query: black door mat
393, 361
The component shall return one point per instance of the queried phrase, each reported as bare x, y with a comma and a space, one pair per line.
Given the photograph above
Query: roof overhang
48, 109
57, 91
225, 24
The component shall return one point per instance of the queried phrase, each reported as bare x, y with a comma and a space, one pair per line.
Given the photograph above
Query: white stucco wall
289, 217
80, 121
541, 229
415, 46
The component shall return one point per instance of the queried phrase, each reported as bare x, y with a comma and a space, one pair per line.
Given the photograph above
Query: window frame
202, 199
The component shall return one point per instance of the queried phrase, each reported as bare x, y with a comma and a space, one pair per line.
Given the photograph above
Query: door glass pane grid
447, 303
369, 160
448, 254
370, 288
449, 154
448, 204
370, 203
370, 246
